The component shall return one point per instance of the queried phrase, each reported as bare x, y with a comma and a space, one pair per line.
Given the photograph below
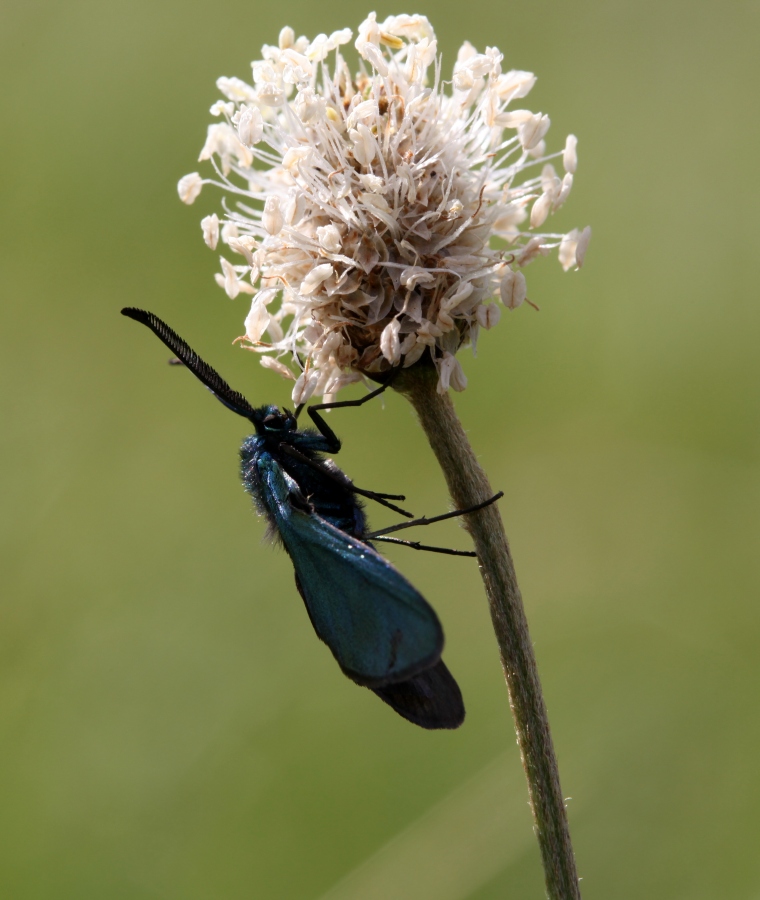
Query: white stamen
210, 227
364, 144
450, 374
540, 210
513, 289
488, 315
304, 387
532, 131
229, 231
317, 275
329, 238
257, 319
269, 362
570, 156
188, 187
272, 218
250, 126
583, 242
564, 191
390, 346
230, 281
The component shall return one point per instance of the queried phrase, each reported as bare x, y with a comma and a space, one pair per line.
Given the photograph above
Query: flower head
379, 213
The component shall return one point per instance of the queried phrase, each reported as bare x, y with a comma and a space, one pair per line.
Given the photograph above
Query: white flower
377, 213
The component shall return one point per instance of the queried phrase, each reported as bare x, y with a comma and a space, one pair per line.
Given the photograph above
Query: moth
382, 632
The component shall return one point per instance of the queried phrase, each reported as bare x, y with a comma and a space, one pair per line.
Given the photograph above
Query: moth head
273, 420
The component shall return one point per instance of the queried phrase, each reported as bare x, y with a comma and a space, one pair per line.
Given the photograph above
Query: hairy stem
468, 486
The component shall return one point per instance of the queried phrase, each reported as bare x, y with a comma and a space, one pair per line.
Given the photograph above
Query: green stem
468, 486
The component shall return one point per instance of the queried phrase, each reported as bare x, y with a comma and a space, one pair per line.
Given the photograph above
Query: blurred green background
171, 728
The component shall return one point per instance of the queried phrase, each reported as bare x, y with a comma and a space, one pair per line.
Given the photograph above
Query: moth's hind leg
416, 545
424, 520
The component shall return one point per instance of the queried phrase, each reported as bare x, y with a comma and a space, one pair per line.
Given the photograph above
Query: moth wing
431, 699
380, 629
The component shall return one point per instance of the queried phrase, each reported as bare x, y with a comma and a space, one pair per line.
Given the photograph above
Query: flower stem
469, 486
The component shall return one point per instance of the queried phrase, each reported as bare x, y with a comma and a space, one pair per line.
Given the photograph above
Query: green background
171, 728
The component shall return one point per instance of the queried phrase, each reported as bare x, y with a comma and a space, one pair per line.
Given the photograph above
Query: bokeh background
171, 728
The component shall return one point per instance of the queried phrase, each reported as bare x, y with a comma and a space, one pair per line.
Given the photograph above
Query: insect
384, 635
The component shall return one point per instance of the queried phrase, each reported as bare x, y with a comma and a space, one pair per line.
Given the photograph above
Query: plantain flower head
376, 217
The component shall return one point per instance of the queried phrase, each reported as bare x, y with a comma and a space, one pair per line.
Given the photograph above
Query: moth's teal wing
379, 627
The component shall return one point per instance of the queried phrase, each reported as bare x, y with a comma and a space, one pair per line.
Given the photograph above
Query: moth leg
425, 521
382, 499
380, 494
416, 545
325, 429
318, 466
